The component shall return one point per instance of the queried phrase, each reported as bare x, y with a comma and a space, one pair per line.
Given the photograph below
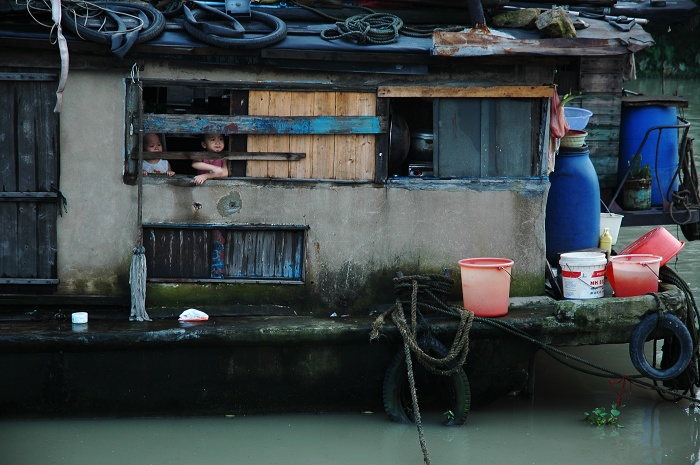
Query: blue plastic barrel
573, 205
636, 121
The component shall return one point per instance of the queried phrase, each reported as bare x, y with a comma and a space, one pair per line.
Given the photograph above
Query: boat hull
252, 365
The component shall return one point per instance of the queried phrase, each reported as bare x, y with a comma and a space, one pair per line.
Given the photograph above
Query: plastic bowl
659, 242
577, 117
574, 138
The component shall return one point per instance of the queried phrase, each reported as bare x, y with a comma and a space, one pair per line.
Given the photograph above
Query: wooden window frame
236, 123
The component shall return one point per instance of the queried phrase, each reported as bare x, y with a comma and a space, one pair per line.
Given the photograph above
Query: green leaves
568, 97
637, 170
600, 417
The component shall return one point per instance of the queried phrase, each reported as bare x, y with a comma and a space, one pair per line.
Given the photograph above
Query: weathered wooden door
29, 195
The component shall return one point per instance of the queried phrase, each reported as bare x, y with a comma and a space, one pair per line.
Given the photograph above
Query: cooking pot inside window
421, 146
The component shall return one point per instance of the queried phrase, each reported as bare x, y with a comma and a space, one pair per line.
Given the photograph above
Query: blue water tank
573, 205
638, 116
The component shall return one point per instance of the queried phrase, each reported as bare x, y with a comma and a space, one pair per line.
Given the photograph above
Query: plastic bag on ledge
192, 314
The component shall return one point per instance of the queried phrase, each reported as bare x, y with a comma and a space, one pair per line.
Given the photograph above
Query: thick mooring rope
424, 289
566, 359
414, 401
691, 376
426, 294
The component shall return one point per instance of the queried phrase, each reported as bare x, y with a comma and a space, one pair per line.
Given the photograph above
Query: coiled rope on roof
367, 29
372, 28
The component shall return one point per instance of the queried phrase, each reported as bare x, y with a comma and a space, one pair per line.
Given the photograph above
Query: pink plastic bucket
486, 285
659, 242
634, 274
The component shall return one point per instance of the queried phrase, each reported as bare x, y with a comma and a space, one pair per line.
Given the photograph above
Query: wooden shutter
29, 195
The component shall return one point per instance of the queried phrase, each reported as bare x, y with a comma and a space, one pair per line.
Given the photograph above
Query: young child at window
151, 144
209, 169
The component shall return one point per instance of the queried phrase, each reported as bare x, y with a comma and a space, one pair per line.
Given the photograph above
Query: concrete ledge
260, 364
561, 323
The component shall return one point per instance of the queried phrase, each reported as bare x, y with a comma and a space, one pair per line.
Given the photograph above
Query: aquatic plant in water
600, 417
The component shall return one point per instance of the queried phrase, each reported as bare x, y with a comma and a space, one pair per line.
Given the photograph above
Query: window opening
471, 132
281, 134
181, 100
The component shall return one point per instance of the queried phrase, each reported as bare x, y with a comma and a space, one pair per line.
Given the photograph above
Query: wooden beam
270, 156
28, 281
263, 125
28, 196
466, 92
28, 77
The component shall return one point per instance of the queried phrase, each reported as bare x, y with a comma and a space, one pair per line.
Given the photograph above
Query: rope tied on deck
427, 293
424, 289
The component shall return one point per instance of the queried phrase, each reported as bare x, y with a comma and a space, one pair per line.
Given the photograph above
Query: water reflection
545, 428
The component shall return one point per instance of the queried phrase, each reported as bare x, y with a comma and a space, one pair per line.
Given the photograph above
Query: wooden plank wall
264, 254
600, 80
177, 252
344, 157
29, 169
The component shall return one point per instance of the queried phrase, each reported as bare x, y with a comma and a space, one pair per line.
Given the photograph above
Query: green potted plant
636, 192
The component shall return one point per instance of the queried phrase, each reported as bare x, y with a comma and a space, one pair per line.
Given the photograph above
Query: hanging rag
63, 50
557, 129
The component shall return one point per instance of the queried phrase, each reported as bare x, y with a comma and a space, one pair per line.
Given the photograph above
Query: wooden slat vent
177, 253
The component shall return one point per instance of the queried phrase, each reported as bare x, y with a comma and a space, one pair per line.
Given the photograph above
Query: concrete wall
359, 234
97, 234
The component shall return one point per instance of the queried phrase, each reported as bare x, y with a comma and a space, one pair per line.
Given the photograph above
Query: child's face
151, 143
213, 142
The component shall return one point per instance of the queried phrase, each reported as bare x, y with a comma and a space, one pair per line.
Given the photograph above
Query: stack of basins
573, 205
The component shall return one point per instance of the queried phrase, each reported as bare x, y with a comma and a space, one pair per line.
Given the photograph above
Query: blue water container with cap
573, 205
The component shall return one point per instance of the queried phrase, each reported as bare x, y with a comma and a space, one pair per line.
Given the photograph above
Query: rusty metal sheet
599, 39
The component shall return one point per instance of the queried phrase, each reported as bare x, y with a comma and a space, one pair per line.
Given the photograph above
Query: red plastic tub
634, 274
659, 242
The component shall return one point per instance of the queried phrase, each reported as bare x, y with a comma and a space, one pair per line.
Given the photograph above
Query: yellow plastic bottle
605, 241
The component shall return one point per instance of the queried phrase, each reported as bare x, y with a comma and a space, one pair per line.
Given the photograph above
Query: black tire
278, 33
642, 332
396, 390
154, 22
173, 9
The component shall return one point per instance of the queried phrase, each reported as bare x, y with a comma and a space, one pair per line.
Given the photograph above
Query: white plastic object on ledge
192, 314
